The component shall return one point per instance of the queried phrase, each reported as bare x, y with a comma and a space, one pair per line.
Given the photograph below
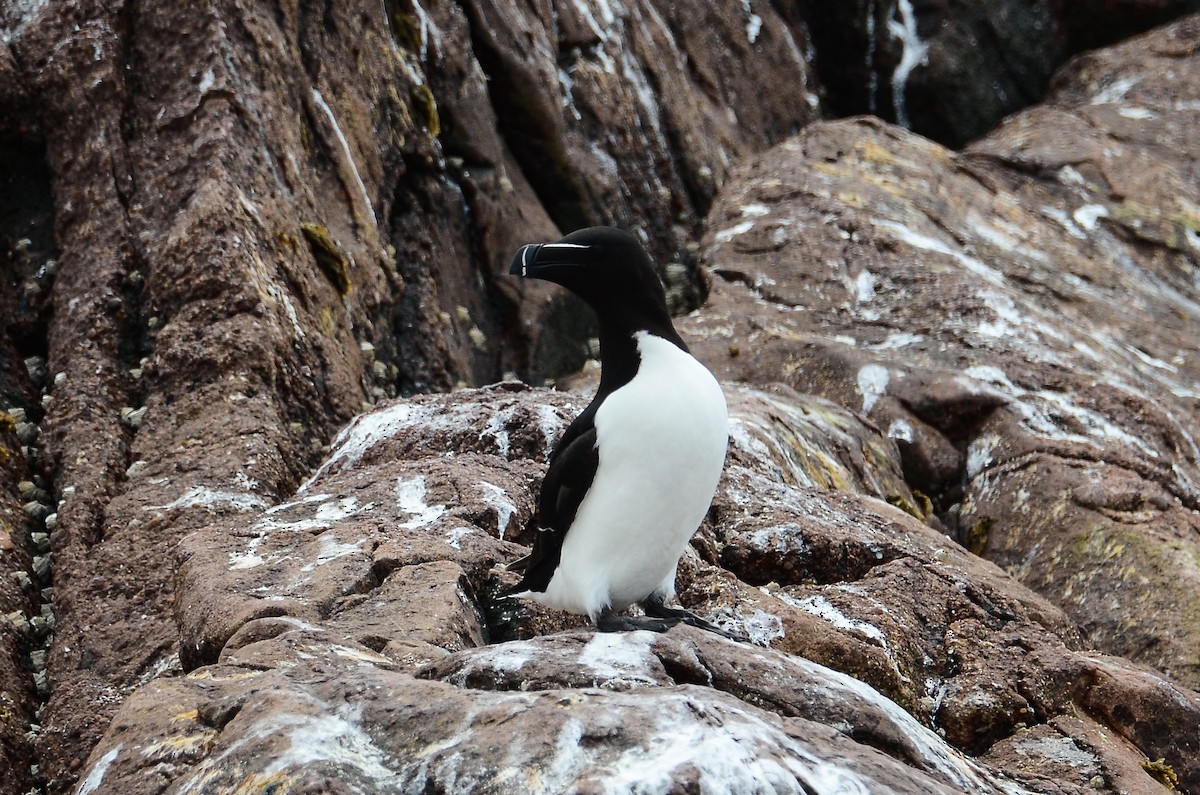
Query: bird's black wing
572, 467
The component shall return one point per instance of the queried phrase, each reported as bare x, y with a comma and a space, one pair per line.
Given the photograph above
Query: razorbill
632, 477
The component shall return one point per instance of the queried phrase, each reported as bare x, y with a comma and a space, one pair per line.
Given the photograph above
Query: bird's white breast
661, 440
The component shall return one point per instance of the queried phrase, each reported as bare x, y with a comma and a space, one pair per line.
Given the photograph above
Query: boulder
290, 712
380, 577
229, 226
1020, 318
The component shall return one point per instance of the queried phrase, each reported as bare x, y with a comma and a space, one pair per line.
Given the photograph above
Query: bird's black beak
540, 260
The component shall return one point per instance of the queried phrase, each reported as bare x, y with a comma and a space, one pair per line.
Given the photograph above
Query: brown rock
348, 722
18, 636
394, 537
993, 323
383, 562
238, 223
225, 227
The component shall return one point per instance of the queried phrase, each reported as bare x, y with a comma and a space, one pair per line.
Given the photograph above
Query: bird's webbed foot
657, 609
611, 622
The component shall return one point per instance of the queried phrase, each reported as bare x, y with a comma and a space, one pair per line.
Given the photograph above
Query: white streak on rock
410, 498
337, 130
366, 431
864, 286
497, 428
329, 739
901, 430
1150, 360
95, 776
822, 608
429, 31
1063, 220
921, 241
1115, 91
330, 549
1043, 412
503, 657
312, 498
325, 516
455, 536
729, 750
725, 235
913, 53
753, 22
872, 385
896, 341
758, 625
979, 453
23, 13
622, 657
947, 761
204, 497
1136, 112
1089, 215
1007, 317
497, 499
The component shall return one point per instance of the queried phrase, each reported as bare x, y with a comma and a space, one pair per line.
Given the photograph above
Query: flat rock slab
301, 713
354, 633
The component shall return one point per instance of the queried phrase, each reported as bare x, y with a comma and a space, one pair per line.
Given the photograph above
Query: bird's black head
608, 269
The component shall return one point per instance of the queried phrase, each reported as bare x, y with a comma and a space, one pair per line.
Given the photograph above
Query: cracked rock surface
355, 633
226, 228
1020, 317
958, 517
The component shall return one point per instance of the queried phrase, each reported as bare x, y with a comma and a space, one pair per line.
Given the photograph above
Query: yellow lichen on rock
332, 262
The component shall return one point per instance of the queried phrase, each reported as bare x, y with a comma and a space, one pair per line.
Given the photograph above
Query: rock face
228, 227
224, 227
17, 608
950, 70
1021, 318
578, 114
354, 633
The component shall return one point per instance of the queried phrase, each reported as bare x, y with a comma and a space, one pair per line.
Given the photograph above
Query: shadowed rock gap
529, 123
27, 507
993, 59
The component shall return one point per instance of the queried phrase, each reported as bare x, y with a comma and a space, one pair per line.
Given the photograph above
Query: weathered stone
389, 548
627, 113
393, 537
322, 716
245, 221
18, 703
951, 70
994, 325
18, 603
218, 205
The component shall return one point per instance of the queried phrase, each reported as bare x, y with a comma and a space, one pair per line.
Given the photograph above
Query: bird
632, 477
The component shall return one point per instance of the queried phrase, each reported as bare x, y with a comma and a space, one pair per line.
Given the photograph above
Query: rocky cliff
959, 519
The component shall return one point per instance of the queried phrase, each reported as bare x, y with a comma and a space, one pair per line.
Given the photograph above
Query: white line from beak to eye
563, 245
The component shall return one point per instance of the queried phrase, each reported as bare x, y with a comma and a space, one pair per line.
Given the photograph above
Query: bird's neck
619, 357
